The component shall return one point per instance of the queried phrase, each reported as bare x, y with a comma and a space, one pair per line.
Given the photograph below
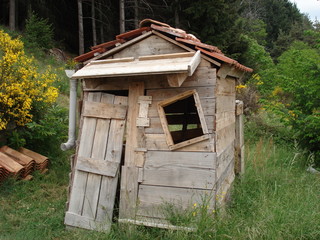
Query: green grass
275, 199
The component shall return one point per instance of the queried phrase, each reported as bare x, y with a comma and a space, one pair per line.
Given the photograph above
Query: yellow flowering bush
22, 86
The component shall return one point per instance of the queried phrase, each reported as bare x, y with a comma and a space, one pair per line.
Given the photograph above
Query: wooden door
98, 156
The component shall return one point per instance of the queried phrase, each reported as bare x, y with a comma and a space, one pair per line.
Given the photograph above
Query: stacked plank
20, 164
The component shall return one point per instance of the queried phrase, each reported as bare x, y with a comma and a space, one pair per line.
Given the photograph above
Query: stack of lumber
20, 164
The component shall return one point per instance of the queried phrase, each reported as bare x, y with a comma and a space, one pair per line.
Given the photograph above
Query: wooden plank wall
186, 175
152, 45
225, 135
179, 178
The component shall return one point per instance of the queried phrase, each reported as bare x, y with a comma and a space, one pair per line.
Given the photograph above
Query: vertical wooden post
239, 141
129, 176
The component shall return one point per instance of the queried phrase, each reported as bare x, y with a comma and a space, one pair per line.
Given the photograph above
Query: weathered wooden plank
200, 113
142, 221
164, 159
97, 166
189, 142
158, 142
153, 45
224, 119
73, 219
113, 153
104, 110
84, 150
128, 191
153, 199
194, 63
166, 56
203, 76
224, 184
224, 159
226, 86
136, 89
239, 145
162, 94
225, 103
224, 137
239, 107
129, 180
144, 102
179, 177
176, 80
127, 59
99, 145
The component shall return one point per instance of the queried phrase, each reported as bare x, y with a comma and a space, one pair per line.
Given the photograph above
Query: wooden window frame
165, 125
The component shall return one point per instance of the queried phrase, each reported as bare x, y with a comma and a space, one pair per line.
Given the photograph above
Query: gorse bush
24, 91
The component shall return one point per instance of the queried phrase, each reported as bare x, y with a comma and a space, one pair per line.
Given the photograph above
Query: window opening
182, 119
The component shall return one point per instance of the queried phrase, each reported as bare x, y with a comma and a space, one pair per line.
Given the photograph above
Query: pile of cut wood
20, 163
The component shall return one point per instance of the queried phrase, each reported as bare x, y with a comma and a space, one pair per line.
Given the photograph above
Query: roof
178, 35
183, 63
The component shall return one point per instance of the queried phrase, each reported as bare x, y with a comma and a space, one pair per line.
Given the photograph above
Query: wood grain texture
168, 159
98, 155
104, 110
129, 177
96, 166
154, 200
158, 142
179, 177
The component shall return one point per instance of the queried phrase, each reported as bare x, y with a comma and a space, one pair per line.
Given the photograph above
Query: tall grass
275, 199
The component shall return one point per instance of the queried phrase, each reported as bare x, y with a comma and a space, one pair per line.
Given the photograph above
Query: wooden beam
185, 47
97, 166
129, 179
176, 80
194, 63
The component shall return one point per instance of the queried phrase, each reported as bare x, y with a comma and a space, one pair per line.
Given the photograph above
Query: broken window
183, 120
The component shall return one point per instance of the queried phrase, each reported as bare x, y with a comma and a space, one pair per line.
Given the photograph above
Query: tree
122, 19
12, 15
93, 20
80, 30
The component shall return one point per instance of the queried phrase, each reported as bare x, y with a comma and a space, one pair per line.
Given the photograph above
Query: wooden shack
158, 113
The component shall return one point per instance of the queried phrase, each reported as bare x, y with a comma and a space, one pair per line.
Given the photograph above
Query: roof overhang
176, 66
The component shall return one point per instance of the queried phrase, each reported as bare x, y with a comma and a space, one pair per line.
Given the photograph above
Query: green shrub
38, 32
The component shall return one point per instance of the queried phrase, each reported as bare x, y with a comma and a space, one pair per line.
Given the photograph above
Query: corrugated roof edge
179, 35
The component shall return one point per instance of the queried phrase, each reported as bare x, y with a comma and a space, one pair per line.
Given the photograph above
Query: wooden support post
129, 178
239, 141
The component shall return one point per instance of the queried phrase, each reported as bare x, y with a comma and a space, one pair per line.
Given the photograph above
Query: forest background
271, 36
